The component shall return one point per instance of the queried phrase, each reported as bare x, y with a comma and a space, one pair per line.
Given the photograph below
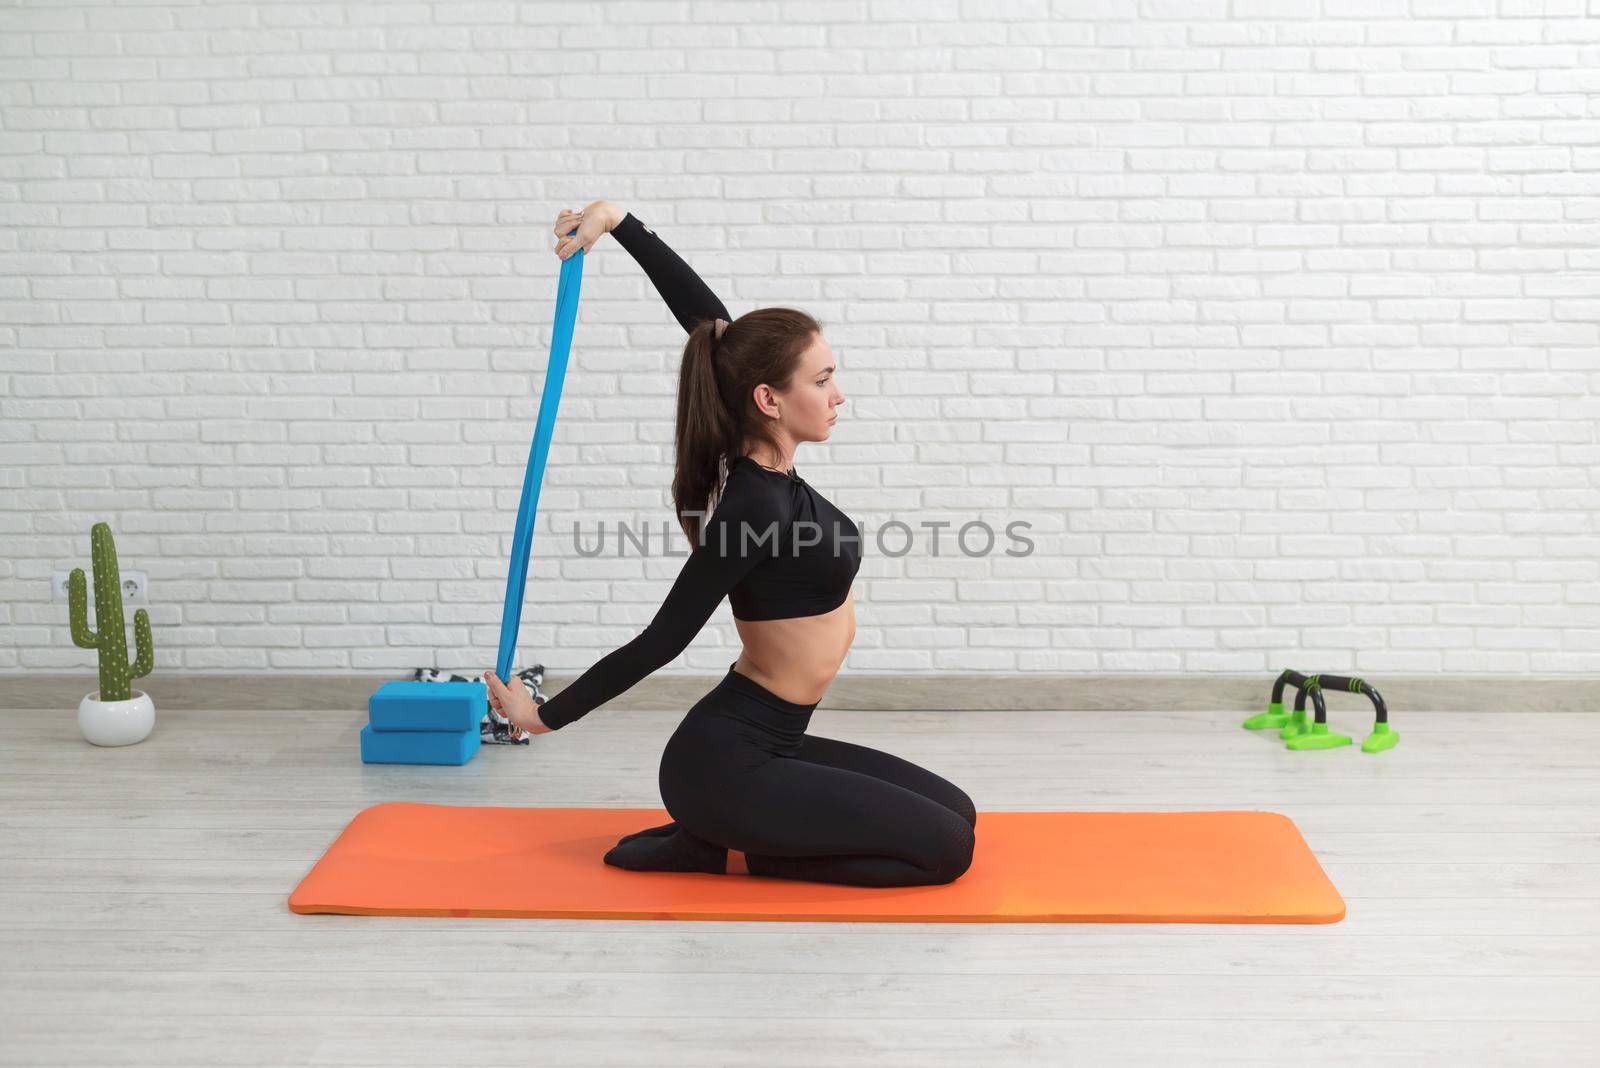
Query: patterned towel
495, 729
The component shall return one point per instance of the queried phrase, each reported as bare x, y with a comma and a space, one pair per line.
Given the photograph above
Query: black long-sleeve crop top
773, 545
688, 297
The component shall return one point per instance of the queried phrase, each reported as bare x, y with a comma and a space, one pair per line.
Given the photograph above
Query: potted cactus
116, 714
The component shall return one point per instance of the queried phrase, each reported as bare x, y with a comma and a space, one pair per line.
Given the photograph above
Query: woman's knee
962, 805
954, 798
952, 860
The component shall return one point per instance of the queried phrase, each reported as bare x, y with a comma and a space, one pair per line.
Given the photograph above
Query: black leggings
741, 772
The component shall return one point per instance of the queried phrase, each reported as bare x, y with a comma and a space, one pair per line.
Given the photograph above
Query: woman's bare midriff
797, 658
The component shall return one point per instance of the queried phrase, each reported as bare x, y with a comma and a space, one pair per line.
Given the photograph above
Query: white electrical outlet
133, 586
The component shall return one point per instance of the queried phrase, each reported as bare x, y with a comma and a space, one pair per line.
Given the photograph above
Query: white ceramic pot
116, 722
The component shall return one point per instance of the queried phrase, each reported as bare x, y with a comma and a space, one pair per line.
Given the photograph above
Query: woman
748, 789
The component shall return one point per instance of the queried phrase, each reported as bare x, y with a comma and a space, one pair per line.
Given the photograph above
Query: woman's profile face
810, 406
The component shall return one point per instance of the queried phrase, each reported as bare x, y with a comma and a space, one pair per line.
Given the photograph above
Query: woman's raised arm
688, 297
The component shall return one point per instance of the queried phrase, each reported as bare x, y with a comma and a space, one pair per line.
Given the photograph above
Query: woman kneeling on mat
740, 774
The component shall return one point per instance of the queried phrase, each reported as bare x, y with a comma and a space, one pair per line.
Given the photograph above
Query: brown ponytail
717, 412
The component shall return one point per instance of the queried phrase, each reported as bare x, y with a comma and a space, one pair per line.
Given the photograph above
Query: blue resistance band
555, 374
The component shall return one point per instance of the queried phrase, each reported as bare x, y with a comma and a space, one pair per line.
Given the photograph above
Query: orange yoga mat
405, 859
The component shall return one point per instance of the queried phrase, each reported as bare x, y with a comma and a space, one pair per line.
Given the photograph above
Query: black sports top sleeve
686, 294
741, 532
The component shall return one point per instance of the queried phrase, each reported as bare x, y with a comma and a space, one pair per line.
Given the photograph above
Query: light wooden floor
143, 916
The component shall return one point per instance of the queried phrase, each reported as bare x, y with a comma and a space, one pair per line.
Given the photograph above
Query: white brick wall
1279, 321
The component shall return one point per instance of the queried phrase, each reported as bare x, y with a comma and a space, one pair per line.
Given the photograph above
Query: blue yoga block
428, 706
418, 747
